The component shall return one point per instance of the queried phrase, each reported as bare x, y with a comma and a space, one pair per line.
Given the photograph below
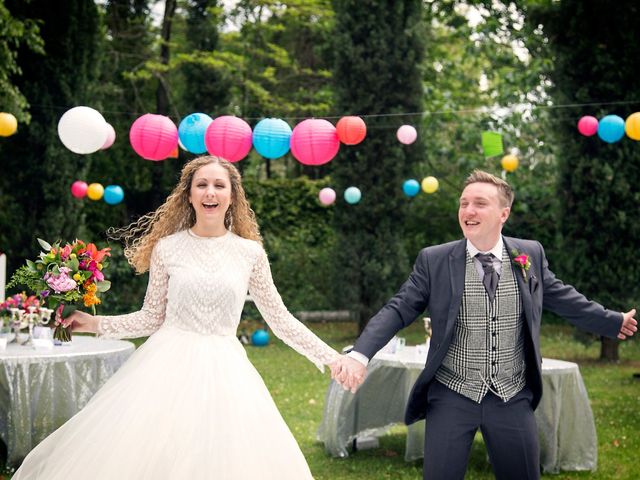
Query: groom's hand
629, 325
349, 373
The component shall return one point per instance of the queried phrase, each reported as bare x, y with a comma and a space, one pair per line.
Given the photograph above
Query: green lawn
299, 391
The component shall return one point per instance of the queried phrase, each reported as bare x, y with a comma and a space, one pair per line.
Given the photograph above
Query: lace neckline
213, 238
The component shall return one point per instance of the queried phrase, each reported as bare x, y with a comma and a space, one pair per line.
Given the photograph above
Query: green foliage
16, 32
299, 238
378, 52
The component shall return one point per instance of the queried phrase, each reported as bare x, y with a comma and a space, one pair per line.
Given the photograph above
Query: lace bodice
200, 284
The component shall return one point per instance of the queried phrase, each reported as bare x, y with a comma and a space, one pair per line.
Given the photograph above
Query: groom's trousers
508, 428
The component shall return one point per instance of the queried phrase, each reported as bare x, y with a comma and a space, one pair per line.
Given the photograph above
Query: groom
485, 295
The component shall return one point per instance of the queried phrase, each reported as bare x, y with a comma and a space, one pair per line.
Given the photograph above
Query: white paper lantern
83, 130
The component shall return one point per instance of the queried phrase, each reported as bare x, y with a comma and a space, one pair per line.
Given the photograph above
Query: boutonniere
522, 261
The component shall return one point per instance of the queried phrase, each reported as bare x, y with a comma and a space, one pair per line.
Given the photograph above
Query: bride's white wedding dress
188, 404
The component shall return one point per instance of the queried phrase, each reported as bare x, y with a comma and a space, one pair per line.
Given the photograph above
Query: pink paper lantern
111, 137
228, 137
407, 134
314, 142
153, 137
588, 125
327, 196
79, 189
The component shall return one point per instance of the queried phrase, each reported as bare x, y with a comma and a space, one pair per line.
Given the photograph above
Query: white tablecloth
565, 422
42, 389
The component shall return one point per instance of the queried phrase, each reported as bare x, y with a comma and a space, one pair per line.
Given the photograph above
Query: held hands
81, 322
629, 325
348, 372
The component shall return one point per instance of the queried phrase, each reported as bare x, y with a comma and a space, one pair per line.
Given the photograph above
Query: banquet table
565, 421
40, 389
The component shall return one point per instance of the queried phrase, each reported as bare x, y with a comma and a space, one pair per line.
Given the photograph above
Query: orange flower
97, 255
90, 299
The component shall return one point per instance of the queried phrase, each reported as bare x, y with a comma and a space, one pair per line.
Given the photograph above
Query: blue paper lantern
611, 128
260, 338
191, 132
352, 195
113, 194
271, 137
411, 187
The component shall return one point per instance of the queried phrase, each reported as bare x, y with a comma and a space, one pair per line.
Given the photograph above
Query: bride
188, 404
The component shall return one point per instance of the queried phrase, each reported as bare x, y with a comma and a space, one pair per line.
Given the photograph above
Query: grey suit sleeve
405, 306
566, 301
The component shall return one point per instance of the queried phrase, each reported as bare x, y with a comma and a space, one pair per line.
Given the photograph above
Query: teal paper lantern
191, 132
611, 128
411, 187
260, 338
271, 137
113, 194
352, 195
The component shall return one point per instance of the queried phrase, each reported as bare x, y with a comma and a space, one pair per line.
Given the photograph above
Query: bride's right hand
81, 322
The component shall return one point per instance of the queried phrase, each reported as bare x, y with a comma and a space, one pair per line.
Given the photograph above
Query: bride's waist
199, 330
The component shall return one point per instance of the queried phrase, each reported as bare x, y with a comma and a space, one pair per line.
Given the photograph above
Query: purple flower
44, 293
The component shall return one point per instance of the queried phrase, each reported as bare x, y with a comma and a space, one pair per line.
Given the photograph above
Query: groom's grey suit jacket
437, 283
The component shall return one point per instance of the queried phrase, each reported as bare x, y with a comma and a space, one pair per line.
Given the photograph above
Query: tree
595, 67
379, 49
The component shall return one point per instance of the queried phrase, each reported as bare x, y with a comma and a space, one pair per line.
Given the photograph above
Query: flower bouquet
66, 278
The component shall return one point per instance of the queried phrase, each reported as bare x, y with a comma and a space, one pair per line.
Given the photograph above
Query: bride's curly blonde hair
177, 214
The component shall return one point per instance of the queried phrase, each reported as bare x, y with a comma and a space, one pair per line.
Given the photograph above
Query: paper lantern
430, 184
111, 137
407, 134
327, 196
271, 137
492, 144
113, 194
82, 130
509, 162
95, 191
411, 187
351, 130
352, 195
191, 132
260, 338
632, 126
153, 137
79, 189
8, 124
228, 137
588, 125
314, 142
611, 128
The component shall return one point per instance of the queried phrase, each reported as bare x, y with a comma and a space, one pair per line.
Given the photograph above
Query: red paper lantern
153, 137
314, 142
351, 130
228, 137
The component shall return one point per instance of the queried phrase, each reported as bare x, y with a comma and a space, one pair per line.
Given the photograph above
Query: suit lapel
527, 303
457, 264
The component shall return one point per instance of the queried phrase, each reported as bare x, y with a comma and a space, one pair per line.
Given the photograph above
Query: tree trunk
609, 349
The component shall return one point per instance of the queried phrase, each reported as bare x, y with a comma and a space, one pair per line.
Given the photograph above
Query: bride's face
210, 194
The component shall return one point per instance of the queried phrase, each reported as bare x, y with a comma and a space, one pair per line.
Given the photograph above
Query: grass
299, 391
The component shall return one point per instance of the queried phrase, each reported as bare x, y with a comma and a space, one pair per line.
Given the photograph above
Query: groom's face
482, 214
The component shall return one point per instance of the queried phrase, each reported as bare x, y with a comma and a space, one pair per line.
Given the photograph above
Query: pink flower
61, 283
65, 252
521, 260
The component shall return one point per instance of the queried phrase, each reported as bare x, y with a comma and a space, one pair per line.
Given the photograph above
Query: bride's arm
147, 320
283, 324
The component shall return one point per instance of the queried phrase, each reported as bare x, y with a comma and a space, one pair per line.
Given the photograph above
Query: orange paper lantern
351, 130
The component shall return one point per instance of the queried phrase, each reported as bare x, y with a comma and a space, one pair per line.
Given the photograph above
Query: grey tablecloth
42, 389
565, 421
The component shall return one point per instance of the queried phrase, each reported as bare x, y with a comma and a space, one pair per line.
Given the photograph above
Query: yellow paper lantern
95, 191
632, 126
429, 184
8, 124
509, 162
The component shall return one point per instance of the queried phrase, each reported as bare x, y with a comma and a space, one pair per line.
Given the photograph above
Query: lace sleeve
283, 324
147, 320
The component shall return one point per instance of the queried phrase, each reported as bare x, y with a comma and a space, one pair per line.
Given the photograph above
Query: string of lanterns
611, 128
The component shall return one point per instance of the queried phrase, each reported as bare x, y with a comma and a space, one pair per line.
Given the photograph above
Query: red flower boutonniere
522, 261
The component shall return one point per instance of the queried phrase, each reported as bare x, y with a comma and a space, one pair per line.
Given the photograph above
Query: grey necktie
490, 279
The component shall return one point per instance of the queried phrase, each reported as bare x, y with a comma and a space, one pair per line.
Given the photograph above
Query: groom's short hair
505, 192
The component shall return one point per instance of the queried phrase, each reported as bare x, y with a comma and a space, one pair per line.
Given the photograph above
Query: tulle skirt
184, 406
